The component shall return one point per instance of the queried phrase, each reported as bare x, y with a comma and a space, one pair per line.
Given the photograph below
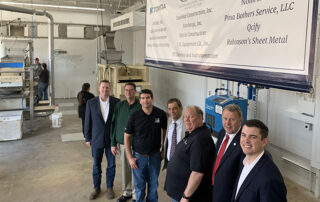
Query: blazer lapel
223, 132
251, 175
238, 177
98, 108
110, 109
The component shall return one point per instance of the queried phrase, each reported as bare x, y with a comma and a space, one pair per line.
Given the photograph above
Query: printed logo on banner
156, 9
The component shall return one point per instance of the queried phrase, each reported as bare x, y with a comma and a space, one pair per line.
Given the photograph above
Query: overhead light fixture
54, 6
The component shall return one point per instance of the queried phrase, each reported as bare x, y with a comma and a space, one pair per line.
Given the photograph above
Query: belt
147, 155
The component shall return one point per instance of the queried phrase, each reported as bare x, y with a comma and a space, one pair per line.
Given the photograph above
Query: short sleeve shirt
145, 130
194, 153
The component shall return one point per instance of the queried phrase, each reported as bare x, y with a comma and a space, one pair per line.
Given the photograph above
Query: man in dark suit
228, 154
98, 119
259, 179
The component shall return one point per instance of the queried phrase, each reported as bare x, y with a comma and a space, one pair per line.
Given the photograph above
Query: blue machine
214, 106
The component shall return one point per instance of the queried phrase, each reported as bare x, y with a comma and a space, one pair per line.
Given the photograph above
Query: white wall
73, 69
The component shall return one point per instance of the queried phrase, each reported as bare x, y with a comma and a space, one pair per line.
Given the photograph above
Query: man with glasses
121, 114
189, 170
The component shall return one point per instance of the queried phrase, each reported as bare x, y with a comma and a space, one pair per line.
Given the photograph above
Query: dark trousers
97, 155
82, 120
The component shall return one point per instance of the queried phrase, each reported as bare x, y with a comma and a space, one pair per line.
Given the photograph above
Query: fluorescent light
54, 6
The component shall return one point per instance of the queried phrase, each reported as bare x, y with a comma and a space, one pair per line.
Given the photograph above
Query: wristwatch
184, 196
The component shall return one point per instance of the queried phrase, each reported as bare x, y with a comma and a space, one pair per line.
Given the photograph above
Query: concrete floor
41, 168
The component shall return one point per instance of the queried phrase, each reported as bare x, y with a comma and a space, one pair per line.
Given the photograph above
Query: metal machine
119, 74
214, 106
16, 90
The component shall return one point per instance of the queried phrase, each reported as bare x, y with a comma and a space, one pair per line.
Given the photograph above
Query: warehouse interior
43, 156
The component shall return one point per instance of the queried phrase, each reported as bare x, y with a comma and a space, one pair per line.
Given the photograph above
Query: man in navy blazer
226, 168
98, 119
259, 179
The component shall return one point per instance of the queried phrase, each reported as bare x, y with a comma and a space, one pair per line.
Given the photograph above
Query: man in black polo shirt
189, 171
145, 126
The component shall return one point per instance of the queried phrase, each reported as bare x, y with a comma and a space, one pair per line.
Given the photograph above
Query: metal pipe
227, 87
249, 92
317, 184
238, 89
51, 55
50, 39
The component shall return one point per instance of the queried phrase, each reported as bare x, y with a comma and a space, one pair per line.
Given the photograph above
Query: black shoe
133, 200
123, 198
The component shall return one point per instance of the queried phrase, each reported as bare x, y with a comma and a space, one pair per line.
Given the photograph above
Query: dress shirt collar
231, 135
179, 121
253, 163
105, 102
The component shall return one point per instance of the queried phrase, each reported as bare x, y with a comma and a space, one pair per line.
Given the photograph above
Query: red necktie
219, 157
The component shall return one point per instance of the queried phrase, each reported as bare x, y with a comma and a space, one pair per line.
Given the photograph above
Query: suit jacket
96, 130
227, 172
264, 183
165, 146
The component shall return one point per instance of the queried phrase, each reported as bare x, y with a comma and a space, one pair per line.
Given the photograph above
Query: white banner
263, 35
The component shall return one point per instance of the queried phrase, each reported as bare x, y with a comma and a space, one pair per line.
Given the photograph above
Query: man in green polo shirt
120, 117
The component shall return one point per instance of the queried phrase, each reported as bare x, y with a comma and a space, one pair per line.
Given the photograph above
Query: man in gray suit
176, 129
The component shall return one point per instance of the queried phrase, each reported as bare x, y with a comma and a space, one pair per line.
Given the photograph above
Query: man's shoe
133, 200
123, 198
110, 193
94, 194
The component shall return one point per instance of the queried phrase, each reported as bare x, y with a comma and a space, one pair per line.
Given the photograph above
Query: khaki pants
127, 179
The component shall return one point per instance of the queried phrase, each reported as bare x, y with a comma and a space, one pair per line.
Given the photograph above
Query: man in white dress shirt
176, 129
97, 128
259, 178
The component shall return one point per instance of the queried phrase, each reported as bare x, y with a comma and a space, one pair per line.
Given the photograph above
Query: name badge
157, 120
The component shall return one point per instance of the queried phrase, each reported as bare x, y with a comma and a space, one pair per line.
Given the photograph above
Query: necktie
219, 157
174, 140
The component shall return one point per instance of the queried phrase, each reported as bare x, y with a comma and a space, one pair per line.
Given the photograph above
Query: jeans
147, 172
42, 90
173, 200
97, 155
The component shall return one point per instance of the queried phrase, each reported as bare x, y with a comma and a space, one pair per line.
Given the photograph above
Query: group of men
236, 168
134, 128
